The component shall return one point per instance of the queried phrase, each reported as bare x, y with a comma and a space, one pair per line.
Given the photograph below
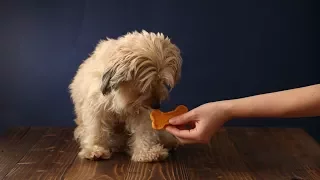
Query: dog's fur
112, 93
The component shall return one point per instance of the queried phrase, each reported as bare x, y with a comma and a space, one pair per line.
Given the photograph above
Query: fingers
188, 136
187, 126
184, 134
182, 119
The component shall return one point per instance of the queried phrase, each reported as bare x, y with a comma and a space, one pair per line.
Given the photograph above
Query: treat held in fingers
161, 119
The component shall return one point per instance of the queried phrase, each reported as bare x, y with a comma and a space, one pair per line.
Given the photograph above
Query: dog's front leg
94, 137
145, 143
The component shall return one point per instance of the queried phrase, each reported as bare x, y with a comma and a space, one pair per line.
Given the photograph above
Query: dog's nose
155, 105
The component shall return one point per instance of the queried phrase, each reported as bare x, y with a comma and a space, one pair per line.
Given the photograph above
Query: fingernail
171, 121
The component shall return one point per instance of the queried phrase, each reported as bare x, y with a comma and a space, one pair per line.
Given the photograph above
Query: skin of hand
205, 119
208, 118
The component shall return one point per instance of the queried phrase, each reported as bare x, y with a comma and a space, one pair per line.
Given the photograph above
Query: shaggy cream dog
114, 90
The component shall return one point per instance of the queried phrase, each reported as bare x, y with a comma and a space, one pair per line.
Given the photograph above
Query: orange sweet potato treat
161, 119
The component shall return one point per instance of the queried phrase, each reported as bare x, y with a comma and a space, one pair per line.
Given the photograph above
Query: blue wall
230, 49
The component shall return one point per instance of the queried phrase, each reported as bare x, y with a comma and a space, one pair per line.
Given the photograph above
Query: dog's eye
168, 87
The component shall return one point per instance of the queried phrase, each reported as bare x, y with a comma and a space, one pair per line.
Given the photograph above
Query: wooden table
234, 153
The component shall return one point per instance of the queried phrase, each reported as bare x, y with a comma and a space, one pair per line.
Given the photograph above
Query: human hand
206, 119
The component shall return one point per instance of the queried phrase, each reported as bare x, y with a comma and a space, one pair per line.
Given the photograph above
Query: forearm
299, 102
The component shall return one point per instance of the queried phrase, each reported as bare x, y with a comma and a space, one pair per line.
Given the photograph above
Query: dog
114, 90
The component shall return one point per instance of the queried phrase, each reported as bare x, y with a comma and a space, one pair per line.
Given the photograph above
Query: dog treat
161, 119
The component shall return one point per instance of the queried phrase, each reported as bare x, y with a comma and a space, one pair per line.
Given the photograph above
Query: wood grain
302, 148
234, 153
15, 144
220, 160
269, 154
114, 168
49, 158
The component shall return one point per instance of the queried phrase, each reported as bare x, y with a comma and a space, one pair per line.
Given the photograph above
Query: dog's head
142, 69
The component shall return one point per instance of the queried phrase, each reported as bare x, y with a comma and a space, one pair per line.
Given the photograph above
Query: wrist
227, 108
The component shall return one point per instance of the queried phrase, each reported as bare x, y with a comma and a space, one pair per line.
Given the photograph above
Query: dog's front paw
95, 153
155, 153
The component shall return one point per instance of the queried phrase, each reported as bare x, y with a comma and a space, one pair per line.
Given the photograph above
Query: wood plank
113, 168
15, 144
121, 167
235, 153
269, 154
220, 160
302, 147
49, 158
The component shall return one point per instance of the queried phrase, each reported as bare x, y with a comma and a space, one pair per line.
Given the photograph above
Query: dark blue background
230, 49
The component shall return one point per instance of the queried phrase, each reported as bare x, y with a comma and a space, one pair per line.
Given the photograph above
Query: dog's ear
106, 84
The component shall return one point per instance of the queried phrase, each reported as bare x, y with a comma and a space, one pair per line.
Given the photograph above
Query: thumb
182, 119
